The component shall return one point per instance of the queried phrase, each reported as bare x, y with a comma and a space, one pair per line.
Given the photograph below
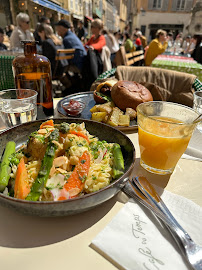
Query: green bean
47, 162
5, 169
118, 166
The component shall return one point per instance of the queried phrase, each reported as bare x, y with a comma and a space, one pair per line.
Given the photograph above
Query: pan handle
123, 183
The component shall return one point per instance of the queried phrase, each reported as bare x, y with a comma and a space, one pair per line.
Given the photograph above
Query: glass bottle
33, 71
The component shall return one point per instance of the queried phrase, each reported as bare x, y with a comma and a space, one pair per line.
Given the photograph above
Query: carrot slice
47, 123
21, 188
79, 175
80, 134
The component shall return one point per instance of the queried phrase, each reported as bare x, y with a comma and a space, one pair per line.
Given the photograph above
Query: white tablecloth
61, 243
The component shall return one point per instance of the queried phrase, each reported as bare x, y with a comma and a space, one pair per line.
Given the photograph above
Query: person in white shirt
185, 44
111, 43
21, 32
191, 46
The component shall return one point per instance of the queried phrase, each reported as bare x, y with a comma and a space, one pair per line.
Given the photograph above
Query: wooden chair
66, 54
128, 59
62, 54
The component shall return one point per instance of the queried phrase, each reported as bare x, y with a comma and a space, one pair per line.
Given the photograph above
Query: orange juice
162, 142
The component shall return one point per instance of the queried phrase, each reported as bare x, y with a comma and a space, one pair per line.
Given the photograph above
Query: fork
192, 251
133, 191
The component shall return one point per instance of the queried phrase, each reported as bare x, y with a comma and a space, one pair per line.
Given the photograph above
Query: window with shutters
157, 4
87, 9
76, 5
71, 4
90, 9
180, 4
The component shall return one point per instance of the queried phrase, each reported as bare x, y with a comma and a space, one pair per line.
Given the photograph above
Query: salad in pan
59, 162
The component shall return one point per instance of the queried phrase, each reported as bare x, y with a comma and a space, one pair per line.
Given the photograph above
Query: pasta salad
59, 162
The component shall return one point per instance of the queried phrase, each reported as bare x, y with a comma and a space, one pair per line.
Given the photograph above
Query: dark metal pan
20, 134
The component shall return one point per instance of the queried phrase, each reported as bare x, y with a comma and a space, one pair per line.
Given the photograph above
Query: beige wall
117, 20
104, 6
123, 14
144, 4
121, 6
160, 17
74, 7
123, 10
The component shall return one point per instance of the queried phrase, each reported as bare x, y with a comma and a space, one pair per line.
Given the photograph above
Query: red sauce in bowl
73, 107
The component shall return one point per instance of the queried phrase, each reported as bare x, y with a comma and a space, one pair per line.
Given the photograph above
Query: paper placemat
136, 240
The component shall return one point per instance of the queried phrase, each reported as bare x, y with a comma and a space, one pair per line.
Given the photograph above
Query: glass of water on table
18, 106
198, 106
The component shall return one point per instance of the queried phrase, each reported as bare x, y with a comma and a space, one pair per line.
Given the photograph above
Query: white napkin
136, 240
194, 149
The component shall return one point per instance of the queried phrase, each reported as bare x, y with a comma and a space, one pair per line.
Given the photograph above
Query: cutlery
192, 251
198, 119
133, 191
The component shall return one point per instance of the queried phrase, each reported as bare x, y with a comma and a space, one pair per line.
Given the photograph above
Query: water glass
198, 106
164, 130
18, 106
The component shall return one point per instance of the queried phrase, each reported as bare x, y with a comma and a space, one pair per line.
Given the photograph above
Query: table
178, 63
59, 243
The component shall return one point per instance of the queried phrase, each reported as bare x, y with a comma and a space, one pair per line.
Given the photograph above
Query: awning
51, 5
78, 17
97, 12
89, 18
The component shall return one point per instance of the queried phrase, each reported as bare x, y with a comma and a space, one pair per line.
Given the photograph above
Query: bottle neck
29, 48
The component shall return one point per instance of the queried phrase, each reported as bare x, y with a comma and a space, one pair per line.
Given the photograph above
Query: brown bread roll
126, 94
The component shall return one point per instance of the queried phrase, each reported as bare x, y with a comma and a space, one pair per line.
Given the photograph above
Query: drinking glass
164, 130
18, 106
198, 106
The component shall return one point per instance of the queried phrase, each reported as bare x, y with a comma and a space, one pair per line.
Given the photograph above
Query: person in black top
2, 46
196, 54
45, 20
9, 29
81, 31
50, 44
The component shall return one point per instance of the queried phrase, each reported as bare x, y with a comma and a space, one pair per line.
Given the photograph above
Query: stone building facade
170, 15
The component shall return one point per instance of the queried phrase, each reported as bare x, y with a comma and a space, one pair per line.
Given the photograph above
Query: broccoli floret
63, 127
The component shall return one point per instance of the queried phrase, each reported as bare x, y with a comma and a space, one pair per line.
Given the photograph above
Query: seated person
196, 40
185, 44
157, 46
45, 20
9, 30
50, 44
2, 46
97, 40
111, 43
143, 39
21, 32
71, 41
128, 44
137, 42
81, 33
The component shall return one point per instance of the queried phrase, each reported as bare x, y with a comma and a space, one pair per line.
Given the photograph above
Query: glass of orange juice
164, 130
